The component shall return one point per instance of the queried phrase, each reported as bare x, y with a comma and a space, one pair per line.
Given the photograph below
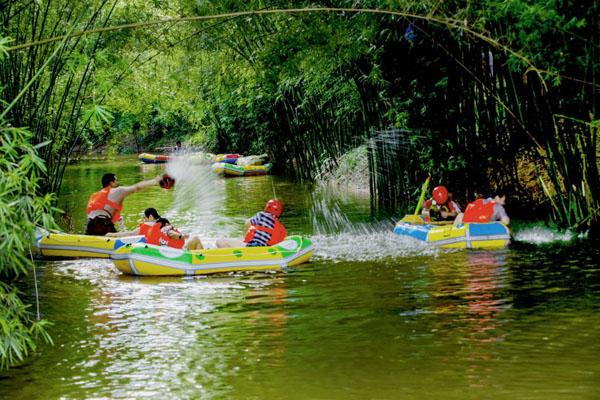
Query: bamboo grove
498, 94
425, 94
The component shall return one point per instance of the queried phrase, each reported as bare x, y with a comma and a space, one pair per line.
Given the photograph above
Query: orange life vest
479, 211
159, 237
145, 227
99, 200
278, 233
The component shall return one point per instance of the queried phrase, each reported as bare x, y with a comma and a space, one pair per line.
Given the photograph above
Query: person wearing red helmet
441, 206
264, 228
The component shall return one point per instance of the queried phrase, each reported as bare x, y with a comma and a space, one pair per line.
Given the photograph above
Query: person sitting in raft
150, 217
178, 149
104, 207
441, 207
264, 228
486, 210
162, 233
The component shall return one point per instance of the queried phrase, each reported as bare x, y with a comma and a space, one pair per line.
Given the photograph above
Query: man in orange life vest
486, 210
264, 228
150, 217
441, 207
104, 207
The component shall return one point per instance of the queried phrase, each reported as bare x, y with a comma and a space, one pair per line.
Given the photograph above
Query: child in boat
163, 233
264, 228
150, 217
441, 207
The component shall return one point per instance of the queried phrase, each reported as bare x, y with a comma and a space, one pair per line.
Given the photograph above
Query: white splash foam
540, 235
354, 246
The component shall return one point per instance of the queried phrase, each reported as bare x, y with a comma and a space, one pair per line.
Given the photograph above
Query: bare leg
194, 243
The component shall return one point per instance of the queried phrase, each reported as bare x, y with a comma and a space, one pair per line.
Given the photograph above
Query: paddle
422, 198
415, 219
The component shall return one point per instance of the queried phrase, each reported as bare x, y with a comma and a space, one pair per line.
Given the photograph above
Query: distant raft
491, 235
153, 158
66, 245
240, 170
227, 158
150, 260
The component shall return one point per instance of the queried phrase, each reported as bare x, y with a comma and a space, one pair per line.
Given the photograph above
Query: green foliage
4, 42
19, 332
21, 211
480, 84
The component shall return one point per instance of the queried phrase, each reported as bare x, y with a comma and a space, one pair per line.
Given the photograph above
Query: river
373, 316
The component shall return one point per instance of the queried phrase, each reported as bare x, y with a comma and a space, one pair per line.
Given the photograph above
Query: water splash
541, 235
369, 246
331, 211
199, 194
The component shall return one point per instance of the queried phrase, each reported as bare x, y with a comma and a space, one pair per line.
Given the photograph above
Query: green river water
373, 316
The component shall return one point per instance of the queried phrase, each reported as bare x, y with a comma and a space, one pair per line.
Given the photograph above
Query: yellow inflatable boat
65, 245
145, 259
491, 235
148, 158
239, 170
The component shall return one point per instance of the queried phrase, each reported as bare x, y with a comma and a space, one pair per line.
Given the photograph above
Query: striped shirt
261, 238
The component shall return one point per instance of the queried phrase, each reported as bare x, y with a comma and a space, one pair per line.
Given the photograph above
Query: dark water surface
374, 316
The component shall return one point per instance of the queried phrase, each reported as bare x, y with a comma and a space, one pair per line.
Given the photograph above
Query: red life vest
99, 200
479, 211
159, 237
278, 233
145, 227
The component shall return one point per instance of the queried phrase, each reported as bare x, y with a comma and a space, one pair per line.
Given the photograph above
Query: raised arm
127, 190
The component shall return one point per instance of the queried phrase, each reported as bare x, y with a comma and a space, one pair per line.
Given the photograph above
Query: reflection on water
373, 316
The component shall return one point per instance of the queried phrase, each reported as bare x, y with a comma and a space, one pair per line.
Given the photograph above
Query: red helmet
440, 194
275, 207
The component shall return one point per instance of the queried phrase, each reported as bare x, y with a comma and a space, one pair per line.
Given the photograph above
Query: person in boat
162, 233
441, 206
264, 228
486, 210
104, 207
150, 217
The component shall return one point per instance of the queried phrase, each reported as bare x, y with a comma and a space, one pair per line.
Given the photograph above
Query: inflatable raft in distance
239, 170
153, 158
149, 260
491, 235
227, 158
65, 245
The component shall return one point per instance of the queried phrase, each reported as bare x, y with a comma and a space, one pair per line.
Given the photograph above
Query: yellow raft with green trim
241, 170
150, 260
491, 235
66, 245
